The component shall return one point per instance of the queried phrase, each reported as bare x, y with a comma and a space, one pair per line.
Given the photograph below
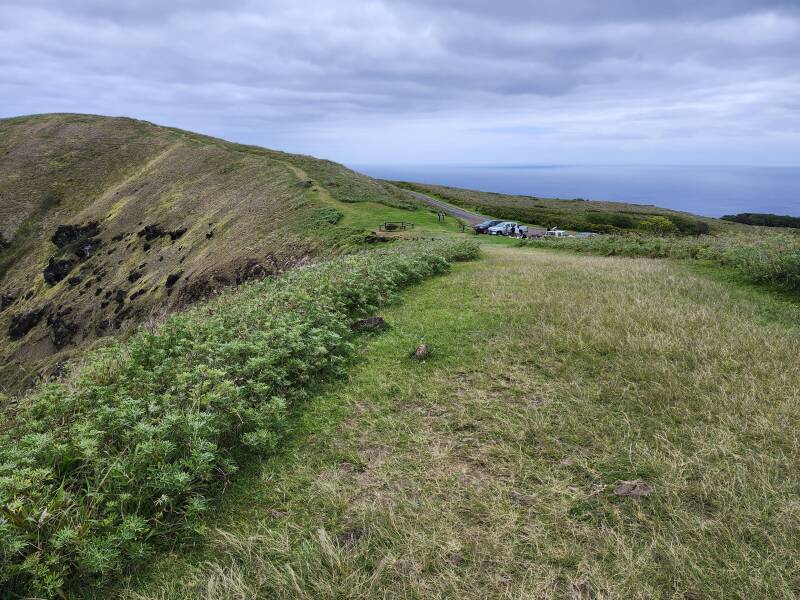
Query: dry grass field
490, 469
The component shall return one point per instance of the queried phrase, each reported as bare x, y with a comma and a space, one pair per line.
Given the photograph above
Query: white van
557, 233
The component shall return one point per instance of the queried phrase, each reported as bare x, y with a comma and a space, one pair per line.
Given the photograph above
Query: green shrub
97, 469
689, 226
327, 215
658, 225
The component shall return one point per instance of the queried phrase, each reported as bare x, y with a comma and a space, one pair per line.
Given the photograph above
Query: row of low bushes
761, 258
96, 470
764, 219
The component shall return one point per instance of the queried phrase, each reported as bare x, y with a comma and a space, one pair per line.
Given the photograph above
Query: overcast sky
414, 81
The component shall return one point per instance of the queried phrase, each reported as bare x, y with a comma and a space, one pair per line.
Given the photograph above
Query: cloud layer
449, 81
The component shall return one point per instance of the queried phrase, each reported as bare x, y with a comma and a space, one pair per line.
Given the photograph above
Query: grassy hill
106, 223
576, 215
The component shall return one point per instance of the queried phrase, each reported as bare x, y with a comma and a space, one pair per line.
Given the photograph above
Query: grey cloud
369, 70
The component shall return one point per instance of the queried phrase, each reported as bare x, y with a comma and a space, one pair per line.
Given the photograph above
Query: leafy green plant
327, 215
97, 469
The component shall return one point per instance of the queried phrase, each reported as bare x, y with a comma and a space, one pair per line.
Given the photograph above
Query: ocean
710, 191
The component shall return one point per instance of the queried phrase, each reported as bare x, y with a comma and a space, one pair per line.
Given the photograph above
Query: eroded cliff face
106, 223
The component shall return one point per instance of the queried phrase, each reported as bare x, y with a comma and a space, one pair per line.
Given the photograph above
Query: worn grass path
488, 471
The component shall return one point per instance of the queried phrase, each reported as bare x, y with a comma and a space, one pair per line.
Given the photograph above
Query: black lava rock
23, 323
66, 234
6, 300
62, 331
87, 247
57, 269
151, 232
173, 279
174, 235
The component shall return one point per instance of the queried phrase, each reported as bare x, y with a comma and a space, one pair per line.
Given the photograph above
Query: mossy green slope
178, 215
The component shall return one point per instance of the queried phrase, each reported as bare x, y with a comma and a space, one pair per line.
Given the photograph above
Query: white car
558, 233
503, 228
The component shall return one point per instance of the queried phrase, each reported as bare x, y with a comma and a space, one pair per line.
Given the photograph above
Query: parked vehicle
482, 227
557, 233
502, 228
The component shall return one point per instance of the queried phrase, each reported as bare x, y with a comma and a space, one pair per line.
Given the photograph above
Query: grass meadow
758, 255
488, 470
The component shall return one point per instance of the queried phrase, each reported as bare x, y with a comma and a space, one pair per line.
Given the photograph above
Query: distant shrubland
764, 219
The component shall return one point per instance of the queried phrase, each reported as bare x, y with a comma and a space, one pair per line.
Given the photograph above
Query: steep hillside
576, 214
106, 222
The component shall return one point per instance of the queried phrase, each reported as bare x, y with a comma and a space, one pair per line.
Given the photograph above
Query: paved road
454, 211
459, 213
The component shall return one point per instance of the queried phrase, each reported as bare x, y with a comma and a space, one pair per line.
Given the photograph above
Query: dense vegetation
764, 219
576, 215
97, 469
760, 257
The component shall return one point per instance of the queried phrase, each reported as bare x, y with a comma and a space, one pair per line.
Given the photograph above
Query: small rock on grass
522, 499
633, 489
422, 352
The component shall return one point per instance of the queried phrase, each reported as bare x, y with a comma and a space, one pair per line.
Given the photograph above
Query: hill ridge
179, 215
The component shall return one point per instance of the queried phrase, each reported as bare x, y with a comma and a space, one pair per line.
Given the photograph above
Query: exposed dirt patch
369, 324
349, 537
633, 489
